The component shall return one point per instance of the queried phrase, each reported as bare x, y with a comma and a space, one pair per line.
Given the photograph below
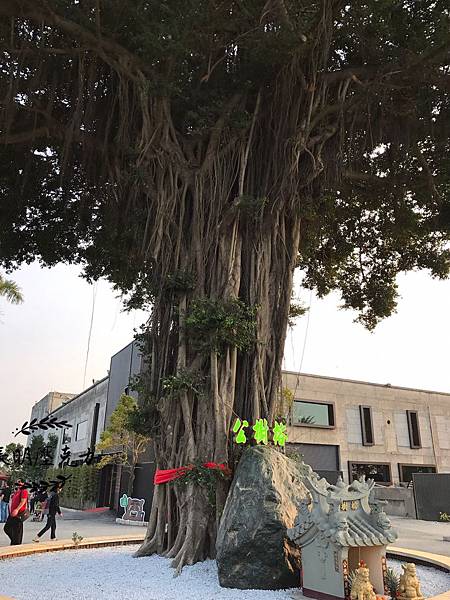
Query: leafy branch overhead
47, 422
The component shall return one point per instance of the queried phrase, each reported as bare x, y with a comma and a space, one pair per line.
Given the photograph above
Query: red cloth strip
165, 475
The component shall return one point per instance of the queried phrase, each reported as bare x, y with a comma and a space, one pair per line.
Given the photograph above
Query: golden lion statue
409, 588
362, 589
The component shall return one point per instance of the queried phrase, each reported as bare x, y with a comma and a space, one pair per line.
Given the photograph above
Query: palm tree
10, 290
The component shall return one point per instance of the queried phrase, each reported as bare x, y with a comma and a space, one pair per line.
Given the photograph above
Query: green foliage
81, 490
214, 325
295, 310
38, 449
376, 205
392, 581
296, 456
251, 206
76, 538
120, 440
144, 418
197, 474
179, 282
185, 381
10, 290
351, 578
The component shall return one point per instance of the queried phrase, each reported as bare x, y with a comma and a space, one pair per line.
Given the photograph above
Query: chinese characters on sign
353, 505
44, 457
261, 432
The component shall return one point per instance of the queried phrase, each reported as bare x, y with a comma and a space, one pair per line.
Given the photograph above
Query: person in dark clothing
5, 495
33, 501
53, 509
18, 506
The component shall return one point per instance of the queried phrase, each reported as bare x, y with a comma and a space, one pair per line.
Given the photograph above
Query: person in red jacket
17, 506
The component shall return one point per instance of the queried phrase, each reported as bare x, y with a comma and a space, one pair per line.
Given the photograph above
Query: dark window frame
371, 462
412, 443
401, 465
77, 439
365, 440
331, 405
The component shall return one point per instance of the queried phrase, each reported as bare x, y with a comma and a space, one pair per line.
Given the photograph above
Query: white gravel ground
113, 574
432, 581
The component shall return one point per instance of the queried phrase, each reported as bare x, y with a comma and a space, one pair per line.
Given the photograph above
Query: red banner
165, 475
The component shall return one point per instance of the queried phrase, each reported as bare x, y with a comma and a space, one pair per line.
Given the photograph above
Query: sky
43, 342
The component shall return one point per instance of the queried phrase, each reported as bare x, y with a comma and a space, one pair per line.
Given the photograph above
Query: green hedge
81, 490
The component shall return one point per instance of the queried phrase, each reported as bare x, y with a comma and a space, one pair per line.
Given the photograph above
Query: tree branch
21, 137
118, 57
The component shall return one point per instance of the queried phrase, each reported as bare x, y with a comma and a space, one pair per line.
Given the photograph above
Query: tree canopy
194, 153
95, 93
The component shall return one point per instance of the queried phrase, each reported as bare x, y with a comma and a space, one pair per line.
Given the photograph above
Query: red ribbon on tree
165, 475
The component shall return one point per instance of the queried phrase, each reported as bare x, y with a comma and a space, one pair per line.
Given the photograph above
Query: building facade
382, 431
48, 404
339, 426
86, 413
90, 411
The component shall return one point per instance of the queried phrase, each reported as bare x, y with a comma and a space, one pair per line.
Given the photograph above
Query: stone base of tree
136, 523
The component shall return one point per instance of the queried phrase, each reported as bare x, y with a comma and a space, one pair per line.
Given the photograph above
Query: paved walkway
84, 523
415, 535
422, 535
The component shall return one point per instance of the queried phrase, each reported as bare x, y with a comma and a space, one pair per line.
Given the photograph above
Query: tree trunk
256, 264
131, 478
231, 221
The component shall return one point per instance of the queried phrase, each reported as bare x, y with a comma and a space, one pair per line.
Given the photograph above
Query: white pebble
108, 573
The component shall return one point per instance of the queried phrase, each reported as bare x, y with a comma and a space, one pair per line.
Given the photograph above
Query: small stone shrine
338, 529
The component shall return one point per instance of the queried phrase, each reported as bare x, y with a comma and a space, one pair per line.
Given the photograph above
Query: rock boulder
253, 551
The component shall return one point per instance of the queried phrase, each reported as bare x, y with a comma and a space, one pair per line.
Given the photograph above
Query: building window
366, 425
414, 430
313, 414
81, 432
67, 438
379, 472
406, 471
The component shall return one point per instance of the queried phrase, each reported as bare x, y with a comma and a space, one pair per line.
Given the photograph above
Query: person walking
53, 509
5, 495
18, 505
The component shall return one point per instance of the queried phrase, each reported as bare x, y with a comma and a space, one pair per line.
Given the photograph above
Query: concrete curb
120, 521
93, 542
425, 558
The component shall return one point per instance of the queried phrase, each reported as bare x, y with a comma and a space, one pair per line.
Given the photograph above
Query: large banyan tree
194, 153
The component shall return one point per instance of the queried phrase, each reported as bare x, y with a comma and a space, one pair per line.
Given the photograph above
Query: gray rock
253, 551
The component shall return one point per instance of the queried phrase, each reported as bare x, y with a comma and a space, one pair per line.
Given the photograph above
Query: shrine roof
345, 515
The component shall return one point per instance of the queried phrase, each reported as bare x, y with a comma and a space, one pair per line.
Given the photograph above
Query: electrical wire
94, 296
304, 342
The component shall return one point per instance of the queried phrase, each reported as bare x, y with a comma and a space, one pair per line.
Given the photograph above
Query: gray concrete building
86, 413
48, 404
89, 412
354, 427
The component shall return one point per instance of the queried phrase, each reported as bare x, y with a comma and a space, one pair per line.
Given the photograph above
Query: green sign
261, 432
